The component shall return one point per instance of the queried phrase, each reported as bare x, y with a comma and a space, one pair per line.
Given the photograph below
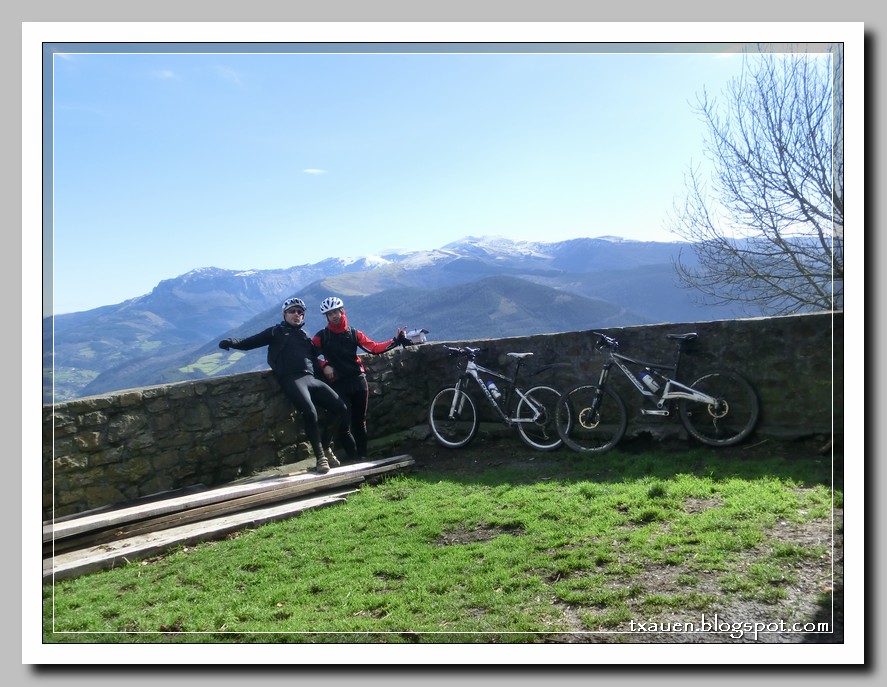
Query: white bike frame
673, 389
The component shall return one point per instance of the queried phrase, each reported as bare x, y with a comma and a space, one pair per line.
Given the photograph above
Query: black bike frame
473, 371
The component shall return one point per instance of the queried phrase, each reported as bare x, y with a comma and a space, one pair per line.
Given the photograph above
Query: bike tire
457, 431
583, 430
728, 422
541, 434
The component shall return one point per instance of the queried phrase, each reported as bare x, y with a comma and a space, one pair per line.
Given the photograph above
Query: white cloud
229, 75
311, 170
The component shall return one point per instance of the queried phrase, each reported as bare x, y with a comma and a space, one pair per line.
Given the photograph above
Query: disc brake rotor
588, 418
719, 409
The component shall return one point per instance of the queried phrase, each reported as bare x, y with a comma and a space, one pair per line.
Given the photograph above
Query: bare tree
769, 234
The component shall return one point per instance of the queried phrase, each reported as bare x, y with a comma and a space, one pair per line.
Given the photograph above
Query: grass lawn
499, 543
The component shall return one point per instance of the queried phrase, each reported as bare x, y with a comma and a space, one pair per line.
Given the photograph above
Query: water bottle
647, 379
494, 392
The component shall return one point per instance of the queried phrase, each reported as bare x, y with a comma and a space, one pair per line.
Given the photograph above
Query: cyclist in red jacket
343, 369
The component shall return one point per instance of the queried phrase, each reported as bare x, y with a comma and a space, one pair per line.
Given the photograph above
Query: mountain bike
453, 414
720, 408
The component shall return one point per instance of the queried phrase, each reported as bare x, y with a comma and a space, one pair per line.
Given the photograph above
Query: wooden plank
124, 530
406, 462
115, 533
280, 494
107, 556
59, 530
151, 498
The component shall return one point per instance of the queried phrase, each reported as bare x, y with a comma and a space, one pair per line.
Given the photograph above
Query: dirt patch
468, 536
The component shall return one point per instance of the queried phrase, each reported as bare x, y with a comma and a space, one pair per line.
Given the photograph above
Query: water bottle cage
649, 382
491, 388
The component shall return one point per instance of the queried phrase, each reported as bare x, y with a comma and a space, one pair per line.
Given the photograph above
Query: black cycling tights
356, 394
307, 393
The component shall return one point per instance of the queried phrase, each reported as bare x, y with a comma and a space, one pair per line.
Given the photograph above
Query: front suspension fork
458, 401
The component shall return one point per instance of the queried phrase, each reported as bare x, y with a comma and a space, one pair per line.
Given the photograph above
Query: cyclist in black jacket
291, 356
343, 369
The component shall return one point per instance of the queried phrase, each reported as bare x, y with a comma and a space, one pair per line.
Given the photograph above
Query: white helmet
290, 302
331, 303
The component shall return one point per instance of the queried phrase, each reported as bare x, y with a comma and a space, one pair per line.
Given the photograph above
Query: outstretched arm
371, 346
257, 340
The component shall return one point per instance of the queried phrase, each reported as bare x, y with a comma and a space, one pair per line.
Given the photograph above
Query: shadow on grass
507, 460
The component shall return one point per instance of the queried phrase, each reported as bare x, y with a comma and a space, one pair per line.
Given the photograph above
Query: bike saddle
519, 356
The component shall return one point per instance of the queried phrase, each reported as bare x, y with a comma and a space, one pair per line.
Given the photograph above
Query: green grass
514, 552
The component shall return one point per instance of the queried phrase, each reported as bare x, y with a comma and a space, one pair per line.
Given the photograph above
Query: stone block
195, 417
93, 419
165, 460
68, 463
181, 391
93, 403
130, 399
124, 426
156, 404
103, 495
231, 444
88, 441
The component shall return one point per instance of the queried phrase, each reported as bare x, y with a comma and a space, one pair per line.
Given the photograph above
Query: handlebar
466, 351
605, 341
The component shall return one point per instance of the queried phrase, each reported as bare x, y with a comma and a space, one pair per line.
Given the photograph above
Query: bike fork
457, 403
599, 389
596, 399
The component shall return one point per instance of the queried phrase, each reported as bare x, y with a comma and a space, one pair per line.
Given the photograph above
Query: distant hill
472, 288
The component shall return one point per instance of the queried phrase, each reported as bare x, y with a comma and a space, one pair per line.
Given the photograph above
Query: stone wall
109, 449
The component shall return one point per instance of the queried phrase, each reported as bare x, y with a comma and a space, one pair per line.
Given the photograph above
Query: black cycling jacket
290, 351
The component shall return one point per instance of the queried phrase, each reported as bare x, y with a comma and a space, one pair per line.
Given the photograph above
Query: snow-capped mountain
139, 341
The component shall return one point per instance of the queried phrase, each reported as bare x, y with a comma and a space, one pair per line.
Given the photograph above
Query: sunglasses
293, 311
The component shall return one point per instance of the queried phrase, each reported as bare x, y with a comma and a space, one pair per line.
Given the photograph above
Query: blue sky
164, 162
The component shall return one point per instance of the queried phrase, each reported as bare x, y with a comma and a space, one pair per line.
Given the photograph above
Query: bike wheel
542, 433
727, 421
452, 417
591, 419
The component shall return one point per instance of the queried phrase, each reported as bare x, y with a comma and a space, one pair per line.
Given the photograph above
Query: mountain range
477, 287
